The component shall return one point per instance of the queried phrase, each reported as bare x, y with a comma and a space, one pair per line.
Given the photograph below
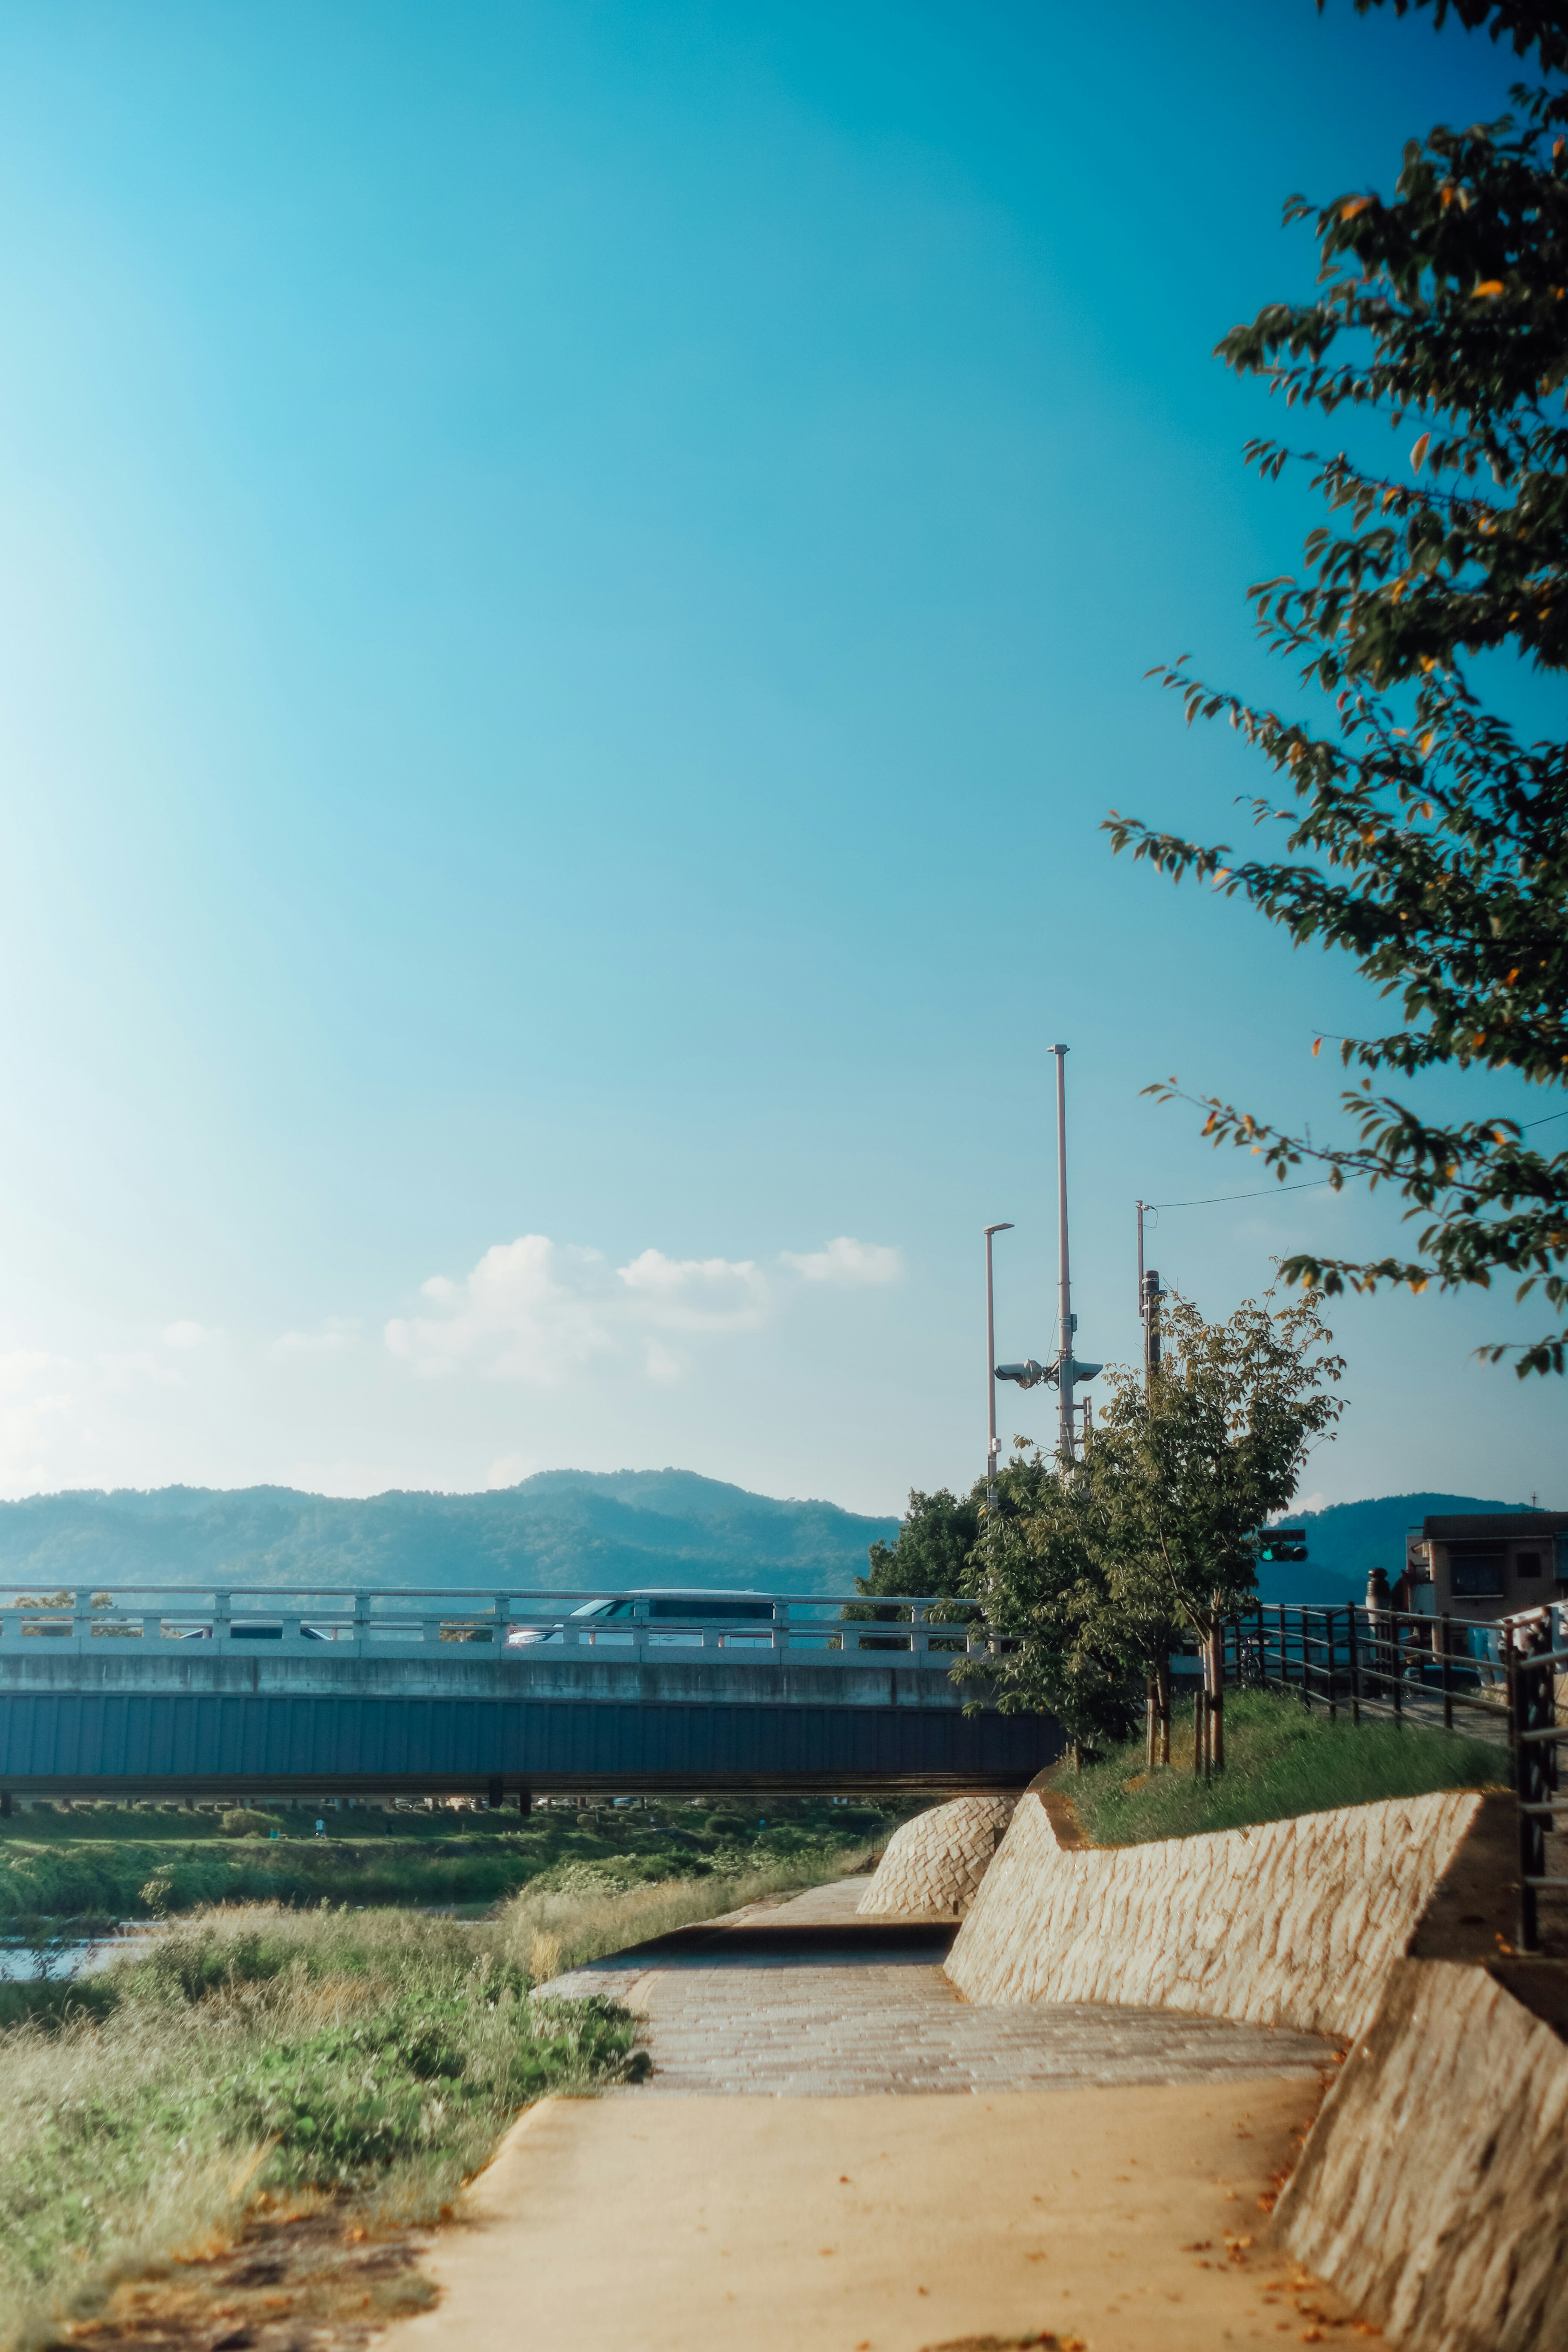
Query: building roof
1520, 1525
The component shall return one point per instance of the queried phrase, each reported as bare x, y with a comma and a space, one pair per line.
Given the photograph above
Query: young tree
1089, 1578
1039, 1573
1423, 837
1189, 1470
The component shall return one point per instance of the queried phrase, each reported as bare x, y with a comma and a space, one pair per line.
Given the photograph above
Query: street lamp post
1065, 1446
992, 1447
1067, 1372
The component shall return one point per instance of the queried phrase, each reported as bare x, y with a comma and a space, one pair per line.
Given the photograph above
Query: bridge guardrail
394, 1623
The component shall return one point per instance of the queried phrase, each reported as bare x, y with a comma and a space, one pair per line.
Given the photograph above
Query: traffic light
1283, 1543
1149, 1308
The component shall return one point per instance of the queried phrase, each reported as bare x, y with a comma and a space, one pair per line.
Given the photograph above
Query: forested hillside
564, 1529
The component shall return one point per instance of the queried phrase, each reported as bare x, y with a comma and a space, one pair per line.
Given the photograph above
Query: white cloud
330, 1338
537, 1310
699, 1294
185, 1334
847, 1261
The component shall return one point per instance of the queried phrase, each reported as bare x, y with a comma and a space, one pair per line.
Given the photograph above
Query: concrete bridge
350, 1693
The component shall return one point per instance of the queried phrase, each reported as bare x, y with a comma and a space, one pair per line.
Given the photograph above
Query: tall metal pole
992, 1448
1142, 1298
1065, 1447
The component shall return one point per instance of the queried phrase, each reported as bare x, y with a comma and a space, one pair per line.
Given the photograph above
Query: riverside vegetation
259, 2059
81, 1869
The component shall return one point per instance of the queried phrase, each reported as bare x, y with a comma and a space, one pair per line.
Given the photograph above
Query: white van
664, 1605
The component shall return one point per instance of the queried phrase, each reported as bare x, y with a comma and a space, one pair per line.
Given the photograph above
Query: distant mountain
1348, 1538
564, 1530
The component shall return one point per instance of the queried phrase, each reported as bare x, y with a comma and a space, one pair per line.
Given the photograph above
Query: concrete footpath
792, 2175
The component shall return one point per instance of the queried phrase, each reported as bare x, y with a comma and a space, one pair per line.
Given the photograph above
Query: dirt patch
292, 2282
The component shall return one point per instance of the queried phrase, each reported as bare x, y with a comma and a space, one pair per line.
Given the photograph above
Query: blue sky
575, 585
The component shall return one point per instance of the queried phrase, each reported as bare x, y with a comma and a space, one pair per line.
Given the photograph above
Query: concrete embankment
1432, 2189
1291, 1923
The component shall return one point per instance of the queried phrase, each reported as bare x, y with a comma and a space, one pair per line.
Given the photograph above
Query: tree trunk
1152, 1720
1162, 1682
1217, 1703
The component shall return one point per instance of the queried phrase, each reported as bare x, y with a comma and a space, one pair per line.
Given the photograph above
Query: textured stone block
934, 1865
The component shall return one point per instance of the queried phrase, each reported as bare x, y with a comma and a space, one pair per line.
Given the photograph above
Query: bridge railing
395, 1623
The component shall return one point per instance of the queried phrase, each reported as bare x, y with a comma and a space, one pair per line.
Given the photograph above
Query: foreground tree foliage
1093, 1574
1423, 837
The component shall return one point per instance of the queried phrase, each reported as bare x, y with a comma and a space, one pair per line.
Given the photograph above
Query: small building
1487, 1564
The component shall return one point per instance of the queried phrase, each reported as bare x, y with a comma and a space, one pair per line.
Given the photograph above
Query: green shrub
240, 1822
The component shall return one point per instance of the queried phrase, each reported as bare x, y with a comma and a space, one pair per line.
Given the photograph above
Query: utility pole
993, 1446
1065, 1427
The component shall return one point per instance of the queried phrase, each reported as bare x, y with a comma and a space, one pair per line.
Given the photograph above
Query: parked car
660, 1604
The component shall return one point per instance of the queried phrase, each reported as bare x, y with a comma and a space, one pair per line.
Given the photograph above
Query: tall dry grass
583, 1913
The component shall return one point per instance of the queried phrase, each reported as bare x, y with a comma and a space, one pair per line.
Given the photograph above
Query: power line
1310, 1186
1211, 1200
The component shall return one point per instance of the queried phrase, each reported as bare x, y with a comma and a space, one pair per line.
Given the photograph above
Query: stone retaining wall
1434, 2187
933, 1864
1290, 1923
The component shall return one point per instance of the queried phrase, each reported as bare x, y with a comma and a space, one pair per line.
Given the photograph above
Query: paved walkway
806, 2001
1101, 2180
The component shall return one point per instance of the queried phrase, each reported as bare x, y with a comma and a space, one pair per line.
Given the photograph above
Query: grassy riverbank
255, 2057
1280, 1760
255, 2053
101, 1864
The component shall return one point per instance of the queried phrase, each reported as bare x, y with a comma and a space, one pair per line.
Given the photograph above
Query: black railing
1387, 1663
1537, 1737
1507, 1680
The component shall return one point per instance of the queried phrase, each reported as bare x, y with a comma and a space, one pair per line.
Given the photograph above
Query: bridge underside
119, 1743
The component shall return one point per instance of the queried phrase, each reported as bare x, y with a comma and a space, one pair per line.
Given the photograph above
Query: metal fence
1537, 1735
1505, 1681
1384, 1663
